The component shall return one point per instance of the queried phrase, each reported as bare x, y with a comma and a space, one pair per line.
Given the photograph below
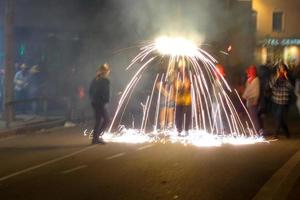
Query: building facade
277, 31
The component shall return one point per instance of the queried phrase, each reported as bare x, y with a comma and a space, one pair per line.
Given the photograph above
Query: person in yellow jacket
182, 85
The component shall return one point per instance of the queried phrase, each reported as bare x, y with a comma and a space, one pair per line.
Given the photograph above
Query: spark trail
214, 117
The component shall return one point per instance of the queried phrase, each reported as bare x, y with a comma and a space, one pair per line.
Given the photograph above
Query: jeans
280, 113
101, 120
298, 104
253, 112
183, 117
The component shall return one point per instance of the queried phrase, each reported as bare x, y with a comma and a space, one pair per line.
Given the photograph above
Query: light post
9, 60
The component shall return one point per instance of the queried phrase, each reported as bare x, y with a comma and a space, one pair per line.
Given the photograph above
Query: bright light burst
175, 46
212, 106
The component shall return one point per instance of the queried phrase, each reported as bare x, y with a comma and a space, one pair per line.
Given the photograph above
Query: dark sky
107, 26
62, 14
122, 23
66, 14
137, 18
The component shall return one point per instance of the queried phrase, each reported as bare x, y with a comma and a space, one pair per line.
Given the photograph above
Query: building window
277, 21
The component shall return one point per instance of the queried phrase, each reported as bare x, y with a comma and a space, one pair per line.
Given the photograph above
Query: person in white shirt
297, 93
251, 95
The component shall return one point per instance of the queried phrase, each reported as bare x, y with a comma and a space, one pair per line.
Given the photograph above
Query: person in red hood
251, 95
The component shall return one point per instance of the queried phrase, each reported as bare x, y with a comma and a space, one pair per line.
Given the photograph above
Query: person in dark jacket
99, 96
281, 87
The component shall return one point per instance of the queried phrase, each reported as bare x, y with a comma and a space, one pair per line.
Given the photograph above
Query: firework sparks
199, 138
213, 110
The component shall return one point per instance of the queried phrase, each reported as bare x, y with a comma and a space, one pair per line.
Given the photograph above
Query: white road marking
45, 163
145, 147
281, 183
74, 169
115, 156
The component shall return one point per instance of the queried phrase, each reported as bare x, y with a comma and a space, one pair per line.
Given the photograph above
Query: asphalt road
63, 165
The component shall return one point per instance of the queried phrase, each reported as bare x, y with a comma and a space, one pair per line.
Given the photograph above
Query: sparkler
212, 107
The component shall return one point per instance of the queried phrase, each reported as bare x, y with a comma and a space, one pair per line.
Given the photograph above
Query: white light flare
176, 46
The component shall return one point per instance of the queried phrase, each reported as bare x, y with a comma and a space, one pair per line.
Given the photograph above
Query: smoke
120, 27
113, 30
149, 19
117, 29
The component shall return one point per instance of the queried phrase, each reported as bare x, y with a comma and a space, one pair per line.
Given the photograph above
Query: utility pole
9, 60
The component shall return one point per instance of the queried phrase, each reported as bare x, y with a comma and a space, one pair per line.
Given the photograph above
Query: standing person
251, 95
2, 75
264, 72
183, 113
167, 104
281, 88
71, 96
21, 81
81, 104
35, 86
99, 94
297, 93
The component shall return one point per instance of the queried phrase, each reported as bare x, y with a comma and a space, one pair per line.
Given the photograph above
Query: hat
34, 69
104, 68
23, 66
220, 69
251, 70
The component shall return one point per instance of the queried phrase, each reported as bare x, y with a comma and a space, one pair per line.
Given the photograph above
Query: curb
31, 127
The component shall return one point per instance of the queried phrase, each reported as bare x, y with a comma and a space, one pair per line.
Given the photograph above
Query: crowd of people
266, 89
274, 91
33, 87
28, 84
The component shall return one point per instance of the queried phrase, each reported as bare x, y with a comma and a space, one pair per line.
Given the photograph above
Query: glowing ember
128, 136
195, 138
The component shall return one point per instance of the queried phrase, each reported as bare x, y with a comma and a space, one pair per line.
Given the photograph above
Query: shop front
279, 49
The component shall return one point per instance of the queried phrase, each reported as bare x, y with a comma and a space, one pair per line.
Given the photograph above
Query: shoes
98, 141
69, 124
186, 133
179, 134
101, 141
183, 134
274, 137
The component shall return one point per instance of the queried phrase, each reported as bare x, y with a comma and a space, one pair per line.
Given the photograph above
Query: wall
265, 9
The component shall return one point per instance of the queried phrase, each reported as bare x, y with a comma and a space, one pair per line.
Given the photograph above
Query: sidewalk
25, 123
294, 194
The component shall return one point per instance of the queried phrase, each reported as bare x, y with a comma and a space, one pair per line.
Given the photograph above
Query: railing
46, 107
38, 100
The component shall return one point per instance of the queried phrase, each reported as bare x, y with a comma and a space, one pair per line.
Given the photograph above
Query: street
197, 100
62, 164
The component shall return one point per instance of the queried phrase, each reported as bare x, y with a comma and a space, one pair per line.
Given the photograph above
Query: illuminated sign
281, 42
